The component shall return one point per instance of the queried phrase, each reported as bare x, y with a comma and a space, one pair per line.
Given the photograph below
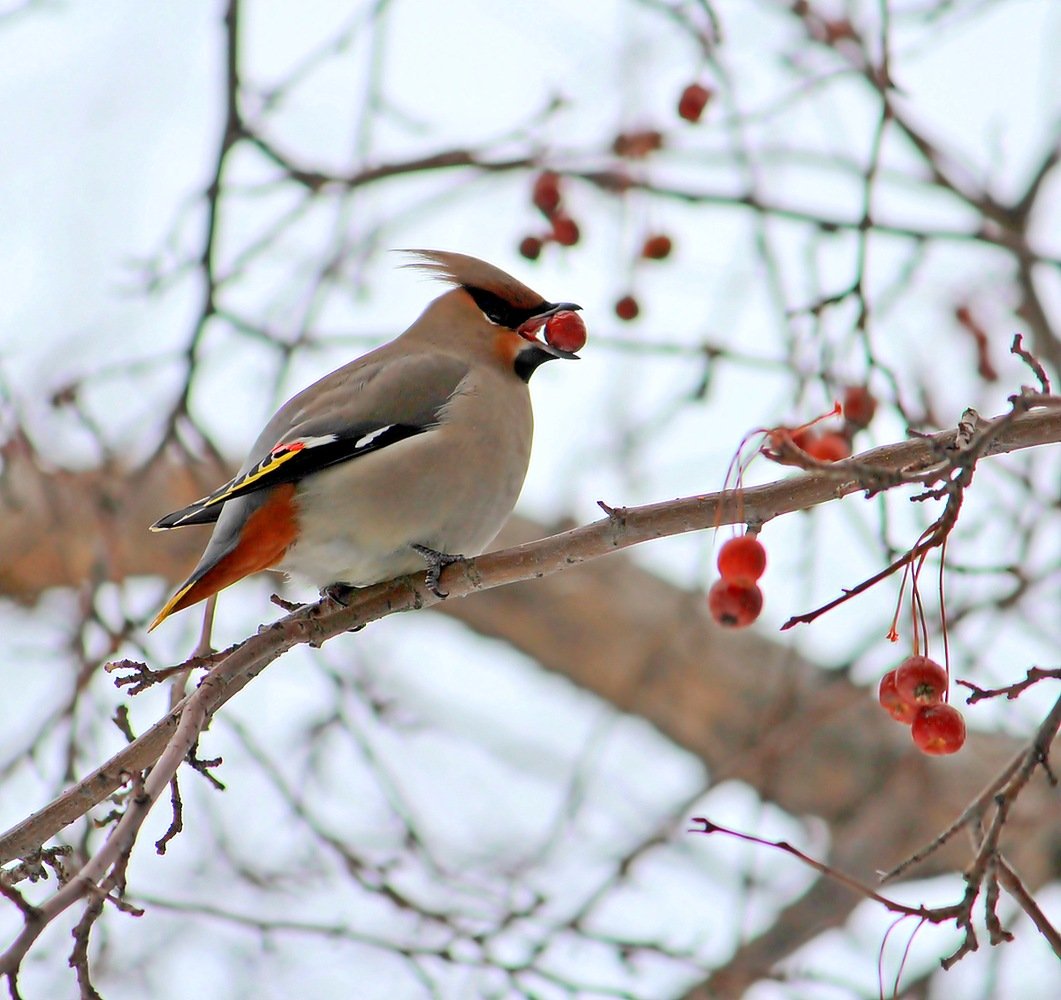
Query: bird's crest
470, 272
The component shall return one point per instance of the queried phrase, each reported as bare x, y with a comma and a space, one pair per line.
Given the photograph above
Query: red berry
742, 560
565, 230
859, 405
566, 331
920, 681
827, 447
627, 308
938, 729
693, 101
637, 144
546, 192
530, 247
892, 703
734, 605
657, 247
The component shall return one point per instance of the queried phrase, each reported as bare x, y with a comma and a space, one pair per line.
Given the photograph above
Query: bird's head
515, 311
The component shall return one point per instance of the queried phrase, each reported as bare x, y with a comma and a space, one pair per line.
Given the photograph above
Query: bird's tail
267, 534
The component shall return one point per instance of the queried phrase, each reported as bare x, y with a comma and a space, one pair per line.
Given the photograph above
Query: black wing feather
407, 397
287, 465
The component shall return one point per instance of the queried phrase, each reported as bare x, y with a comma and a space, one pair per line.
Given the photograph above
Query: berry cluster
831, 443
913, 694
735, 600
547, 198
656, 246
916, 692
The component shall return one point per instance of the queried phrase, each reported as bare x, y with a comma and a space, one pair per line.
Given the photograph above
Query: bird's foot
339, 592
436, 563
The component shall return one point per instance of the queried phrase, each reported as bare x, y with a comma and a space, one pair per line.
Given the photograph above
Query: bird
414, 453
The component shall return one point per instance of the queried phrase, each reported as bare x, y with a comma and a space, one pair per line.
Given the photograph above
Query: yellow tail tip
171, 606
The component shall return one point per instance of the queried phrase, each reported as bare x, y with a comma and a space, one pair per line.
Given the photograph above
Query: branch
1001, 794
168, 743
623, 528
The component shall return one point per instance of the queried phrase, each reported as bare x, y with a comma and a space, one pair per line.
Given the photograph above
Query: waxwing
415, 452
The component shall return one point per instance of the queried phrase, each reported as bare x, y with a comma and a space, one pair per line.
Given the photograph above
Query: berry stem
943, 615
931, 537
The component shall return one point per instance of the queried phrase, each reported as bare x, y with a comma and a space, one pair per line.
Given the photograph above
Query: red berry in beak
565, 331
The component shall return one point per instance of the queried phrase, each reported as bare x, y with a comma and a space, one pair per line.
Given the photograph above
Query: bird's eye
496, 309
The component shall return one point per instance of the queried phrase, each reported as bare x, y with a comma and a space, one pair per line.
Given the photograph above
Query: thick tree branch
63, 528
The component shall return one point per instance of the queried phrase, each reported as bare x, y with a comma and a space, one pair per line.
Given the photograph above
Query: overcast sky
110, 122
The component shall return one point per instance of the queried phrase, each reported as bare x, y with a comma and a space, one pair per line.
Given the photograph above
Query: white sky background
110, 121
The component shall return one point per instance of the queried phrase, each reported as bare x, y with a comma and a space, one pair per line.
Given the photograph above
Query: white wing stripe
312, 442
367, 439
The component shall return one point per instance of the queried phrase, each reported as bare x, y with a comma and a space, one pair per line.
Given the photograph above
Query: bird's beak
555, 351
530, 327
528, 330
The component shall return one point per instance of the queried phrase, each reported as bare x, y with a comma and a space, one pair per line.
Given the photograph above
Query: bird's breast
450, 488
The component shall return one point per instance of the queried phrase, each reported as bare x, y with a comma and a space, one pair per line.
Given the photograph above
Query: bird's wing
353, 412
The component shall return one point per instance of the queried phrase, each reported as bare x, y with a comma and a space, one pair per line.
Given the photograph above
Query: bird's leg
339, 592
436, 563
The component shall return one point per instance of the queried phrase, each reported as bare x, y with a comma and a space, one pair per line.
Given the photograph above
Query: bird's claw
436, 563
339, 592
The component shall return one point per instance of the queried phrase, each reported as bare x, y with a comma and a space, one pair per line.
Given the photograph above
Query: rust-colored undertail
265, 538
